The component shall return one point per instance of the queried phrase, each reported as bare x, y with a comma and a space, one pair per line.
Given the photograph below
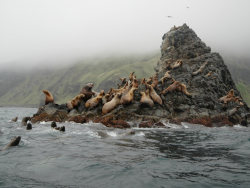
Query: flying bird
170, 17
187, 7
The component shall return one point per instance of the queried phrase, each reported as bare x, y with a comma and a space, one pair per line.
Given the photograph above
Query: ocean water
173, 156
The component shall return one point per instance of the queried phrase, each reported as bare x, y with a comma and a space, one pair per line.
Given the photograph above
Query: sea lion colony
151, 95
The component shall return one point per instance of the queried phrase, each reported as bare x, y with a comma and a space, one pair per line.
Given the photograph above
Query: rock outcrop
195, 100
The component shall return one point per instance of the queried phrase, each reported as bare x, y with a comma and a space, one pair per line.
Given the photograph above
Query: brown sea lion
200, 69
143, 81
75, 102
241, 103
230, 93
166, 76
132, 76
48, 97
155, 97
107, 107
209, 74
93, 102
128, 97
87, 91
155, 81
145, 99
149, 80
233, 111
14, 119
227, 100
29, 126
123, 80
177, 64
183, 89
171, 88
24, 121
105, 99
135, 83
119, 86
14, 142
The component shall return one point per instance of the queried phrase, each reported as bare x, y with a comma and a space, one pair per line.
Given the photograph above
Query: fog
59, 32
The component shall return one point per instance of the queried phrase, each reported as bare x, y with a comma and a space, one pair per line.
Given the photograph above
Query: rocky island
191, 84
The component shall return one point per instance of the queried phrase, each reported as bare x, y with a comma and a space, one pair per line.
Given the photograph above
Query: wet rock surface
202, 107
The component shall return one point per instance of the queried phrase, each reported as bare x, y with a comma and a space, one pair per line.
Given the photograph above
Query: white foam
140, 134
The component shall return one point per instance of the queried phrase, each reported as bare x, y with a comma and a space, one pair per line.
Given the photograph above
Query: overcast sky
54, 31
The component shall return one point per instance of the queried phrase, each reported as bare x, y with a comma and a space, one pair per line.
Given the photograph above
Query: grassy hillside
64, 84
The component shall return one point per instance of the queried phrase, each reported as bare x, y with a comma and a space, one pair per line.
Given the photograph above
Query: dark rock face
202, 107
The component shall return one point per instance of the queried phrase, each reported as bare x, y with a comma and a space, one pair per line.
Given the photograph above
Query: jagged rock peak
182, 42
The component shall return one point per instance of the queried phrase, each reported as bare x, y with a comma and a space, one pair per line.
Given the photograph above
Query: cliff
189, 61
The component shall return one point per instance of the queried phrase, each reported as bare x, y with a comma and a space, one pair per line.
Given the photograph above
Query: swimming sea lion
155, 97
145, 99
14, 142
200, 69
24, 121
75, 102
107, 107
62, 129
244, 121
128, 97
48, 97
233, 111
93, 102
209, 74
53, 124
14, 119
29, 126
87, 91
171, 88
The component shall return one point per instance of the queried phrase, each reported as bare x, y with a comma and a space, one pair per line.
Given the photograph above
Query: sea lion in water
200, 69
24, 121
145, 99
87, 91
14, 119
53, 124
93, 102
14, 142
75, 102
244, 121
107, 107
233, 111
62, 129
48, 97
106, 135
29, 126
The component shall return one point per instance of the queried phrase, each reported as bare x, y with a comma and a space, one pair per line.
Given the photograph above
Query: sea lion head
131, 132
53, 124
89, 86
15, 141
46, 92
29, 126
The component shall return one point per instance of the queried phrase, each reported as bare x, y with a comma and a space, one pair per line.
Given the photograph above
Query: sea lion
244, 121
87, 91
171, 88
241, 103
123, 80
62, 129
93, 102
129, 96
118, 86
14, 142
183, 89
177, 64
145, 99
227, 100
200, 69
155, 81
149, 80
24, 121
106, 135
107, 107
53, 124
155, 97
14, 119
166, 76
105, 99
230, 94
143, 81
233, 111
75, 102
132, 76
135, 83
209, 74
29, 126
48, 97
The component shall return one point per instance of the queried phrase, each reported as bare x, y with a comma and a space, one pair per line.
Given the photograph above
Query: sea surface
174, 156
